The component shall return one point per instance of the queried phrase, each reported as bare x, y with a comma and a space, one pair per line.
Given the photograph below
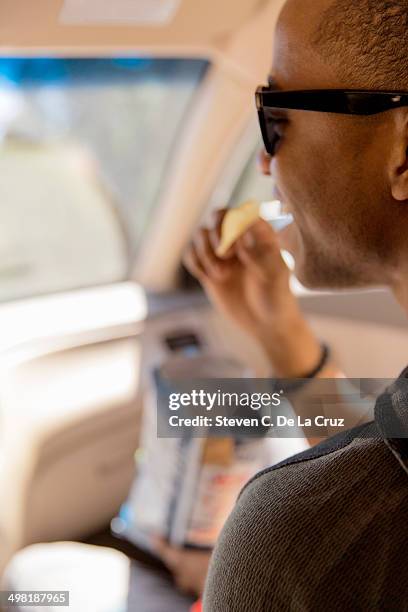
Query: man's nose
264, 162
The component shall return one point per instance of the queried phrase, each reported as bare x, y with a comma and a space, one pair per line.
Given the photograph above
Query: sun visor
130, 12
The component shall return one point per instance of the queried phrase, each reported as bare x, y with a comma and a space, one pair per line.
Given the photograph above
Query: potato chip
235, 223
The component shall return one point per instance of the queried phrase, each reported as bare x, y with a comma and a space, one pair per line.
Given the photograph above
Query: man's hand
189, 567
250, 285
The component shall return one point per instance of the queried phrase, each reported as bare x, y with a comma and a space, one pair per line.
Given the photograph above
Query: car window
252, 184
84, 145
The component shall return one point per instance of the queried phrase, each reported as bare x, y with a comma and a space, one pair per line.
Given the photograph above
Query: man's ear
399, 178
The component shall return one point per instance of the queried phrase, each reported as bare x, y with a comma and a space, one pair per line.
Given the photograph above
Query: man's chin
310, 279
317, 270
318, 273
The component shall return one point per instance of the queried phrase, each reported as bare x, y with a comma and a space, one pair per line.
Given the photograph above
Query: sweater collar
391, 416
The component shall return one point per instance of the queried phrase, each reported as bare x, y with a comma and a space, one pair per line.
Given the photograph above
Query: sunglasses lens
268, 127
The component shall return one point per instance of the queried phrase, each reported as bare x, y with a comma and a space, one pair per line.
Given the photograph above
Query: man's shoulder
340, 449
297, 525
345, 493
342, 475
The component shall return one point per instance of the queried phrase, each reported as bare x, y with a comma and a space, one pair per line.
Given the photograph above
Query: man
326, 530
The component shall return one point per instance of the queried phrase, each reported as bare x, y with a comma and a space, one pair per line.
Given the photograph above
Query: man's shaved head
367, 39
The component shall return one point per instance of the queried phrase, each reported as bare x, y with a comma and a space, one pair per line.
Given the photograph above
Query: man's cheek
291, 176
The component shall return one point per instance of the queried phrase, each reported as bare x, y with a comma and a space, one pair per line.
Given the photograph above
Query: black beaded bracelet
324, 358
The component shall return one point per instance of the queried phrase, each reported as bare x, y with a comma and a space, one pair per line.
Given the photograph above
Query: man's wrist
291, 347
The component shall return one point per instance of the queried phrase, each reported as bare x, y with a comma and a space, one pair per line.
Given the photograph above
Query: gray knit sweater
324, 531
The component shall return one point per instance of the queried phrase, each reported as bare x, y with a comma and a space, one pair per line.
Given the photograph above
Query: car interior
123, 127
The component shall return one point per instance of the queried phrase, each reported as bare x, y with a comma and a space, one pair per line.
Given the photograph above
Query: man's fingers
215, 232
193, 263
213, 266
189, 568
184, 584
258, 249
264, 232
217, 219
170, 555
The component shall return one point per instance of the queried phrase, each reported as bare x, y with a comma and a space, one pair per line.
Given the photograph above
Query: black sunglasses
340, 101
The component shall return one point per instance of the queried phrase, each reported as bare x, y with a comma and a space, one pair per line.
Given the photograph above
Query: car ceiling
197, 24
